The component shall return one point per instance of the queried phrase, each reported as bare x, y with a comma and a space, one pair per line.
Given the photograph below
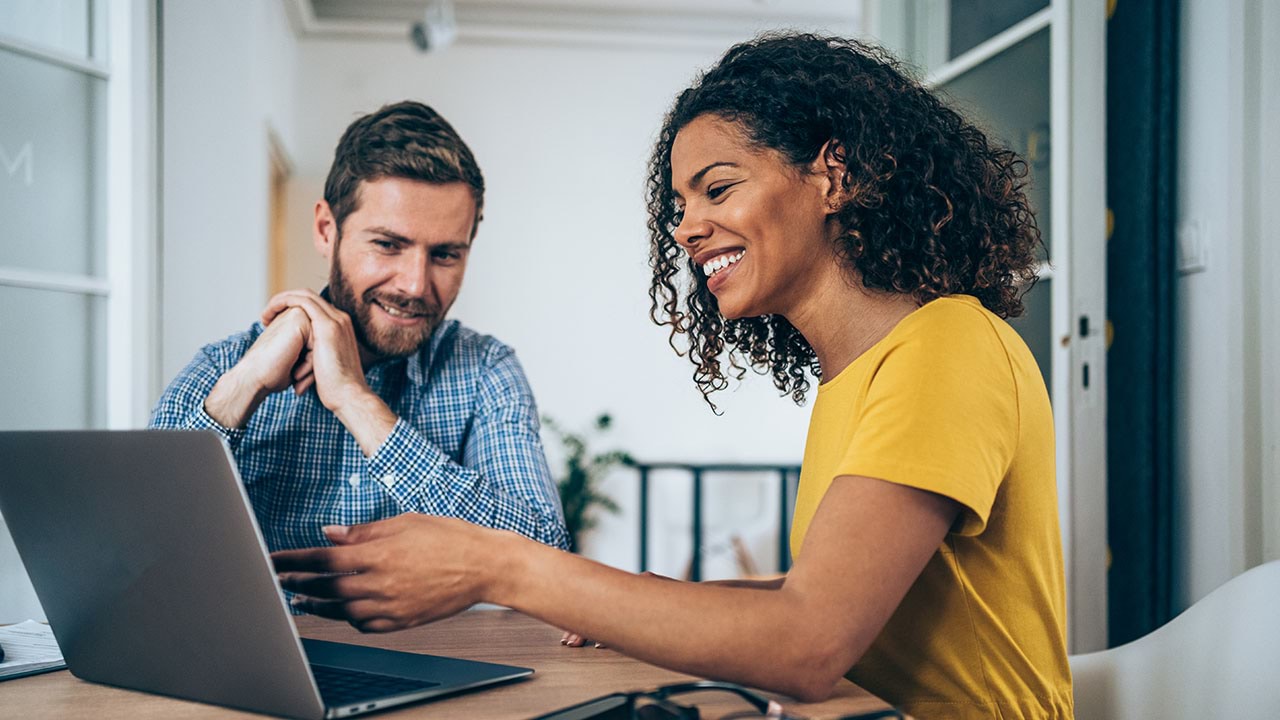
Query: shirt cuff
401, 450
201, 420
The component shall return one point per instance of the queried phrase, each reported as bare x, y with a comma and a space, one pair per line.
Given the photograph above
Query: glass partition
1009, 97
973, 22
54, 375
52, 165
61, 26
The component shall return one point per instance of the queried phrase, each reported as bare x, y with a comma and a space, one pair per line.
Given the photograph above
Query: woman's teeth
721, 262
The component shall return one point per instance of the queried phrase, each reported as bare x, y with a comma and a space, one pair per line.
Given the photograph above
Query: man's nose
413, 277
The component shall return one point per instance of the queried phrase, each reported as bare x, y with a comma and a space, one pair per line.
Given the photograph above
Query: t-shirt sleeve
941, 414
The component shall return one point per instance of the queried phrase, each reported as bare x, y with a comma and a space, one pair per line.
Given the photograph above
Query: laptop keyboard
340, 686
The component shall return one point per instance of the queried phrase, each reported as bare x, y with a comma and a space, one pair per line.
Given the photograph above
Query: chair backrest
1220, 658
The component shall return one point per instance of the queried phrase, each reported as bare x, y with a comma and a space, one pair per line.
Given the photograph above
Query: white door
1031, 72
76, 195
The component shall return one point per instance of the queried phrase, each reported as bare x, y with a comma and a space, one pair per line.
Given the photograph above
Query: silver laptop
147, 558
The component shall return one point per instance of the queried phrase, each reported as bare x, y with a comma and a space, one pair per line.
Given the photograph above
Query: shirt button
389, 479
354, 480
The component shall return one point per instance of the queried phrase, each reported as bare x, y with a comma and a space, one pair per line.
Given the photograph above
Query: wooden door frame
280, 171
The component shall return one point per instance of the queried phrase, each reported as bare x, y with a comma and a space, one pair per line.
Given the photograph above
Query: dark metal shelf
696, 472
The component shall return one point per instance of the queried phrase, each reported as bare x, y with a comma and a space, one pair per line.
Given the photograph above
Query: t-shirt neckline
969, 299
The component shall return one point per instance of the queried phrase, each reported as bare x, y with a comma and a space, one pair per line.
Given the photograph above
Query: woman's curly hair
933, 207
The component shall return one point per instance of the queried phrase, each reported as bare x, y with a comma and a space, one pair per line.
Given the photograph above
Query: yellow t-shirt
951, 401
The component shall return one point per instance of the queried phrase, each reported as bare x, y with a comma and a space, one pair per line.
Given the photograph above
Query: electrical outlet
1192, 247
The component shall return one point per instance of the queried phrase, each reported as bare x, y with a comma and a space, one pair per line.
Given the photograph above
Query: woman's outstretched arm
868, 542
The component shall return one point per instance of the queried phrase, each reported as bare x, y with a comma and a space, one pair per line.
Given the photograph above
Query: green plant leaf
583, 471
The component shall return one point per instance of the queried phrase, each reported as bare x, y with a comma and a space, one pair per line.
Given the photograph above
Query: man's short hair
403, 140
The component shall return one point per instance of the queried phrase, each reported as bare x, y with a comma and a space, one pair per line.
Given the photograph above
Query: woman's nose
691, 230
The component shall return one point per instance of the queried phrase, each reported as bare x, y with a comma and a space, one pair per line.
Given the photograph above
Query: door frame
1077, 69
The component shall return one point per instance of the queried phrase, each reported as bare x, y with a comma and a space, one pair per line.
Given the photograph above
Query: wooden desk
563, 676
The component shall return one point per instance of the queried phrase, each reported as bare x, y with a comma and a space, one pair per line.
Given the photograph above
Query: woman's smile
723, 264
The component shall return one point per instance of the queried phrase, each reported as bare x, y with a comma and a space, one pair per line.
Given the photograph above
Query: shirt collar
419, 365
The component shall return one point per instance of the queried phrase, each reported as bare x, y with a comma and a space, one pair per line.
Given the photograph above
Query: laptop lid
147, 558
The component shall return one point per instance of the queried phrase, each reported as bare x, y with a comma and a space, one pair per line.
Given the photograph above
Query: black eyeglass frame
661, 696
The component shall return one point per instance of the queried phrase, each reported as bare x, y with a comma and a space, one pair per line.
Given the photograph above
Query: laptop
148, 560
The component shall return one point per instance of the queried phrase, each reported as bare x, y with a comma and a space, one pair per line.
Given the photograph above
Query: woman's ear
831, 164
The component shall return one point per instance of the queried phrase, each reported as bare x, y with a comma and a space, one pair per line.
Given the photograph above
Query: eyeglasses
656, 704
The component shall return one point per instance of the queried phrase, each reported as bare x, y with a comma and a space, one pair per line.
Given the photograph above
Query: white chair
1218, 659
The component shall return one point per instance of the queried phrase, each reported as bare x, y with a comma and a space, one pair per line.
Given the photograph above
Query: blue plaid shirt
466, 443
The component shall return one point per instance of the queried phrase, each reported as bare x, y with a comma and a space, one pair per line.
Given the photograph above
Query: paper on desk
29, 647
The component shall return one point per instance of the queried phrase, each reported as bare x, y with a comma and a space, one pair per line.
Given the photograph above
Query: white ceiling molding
709, 24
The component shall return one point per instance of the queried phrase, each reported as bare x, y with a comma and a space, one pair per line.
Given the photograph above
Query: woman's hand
573, 639
392, 574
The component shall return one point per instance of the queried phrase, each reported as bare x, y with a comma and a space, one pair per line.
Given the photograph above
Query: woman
832, 217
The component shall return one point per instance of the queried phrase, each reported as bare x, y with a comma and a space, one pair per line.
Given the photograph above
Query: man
393, 408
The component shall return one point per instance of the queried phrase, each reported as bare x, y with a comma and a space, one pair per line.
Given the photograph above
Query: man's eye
447, 256
384, 244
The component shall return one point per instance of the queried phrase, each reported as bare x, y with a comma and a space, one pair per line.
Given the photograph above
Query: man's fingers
305, 385
286, 299
270, 313
307, 305
274, 310
304, 366
310, 302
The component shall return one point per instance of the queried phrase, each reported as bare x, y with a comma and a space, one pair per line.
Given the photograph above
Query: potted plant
580, 480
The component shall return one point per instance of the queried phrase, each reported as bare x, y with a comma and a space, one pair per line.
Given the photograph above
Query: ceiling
707, 23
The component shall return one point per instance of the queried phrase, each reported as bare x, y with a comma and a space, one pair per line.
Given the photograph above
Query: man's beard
382, 341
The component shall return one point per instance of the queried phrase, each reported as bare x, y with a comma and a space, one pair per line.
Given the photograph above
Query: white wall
229, 72
1227, 329
559, 270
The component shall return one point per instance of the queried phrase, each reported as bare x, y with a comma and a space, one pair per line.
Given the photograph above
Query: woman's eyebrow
697, 177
